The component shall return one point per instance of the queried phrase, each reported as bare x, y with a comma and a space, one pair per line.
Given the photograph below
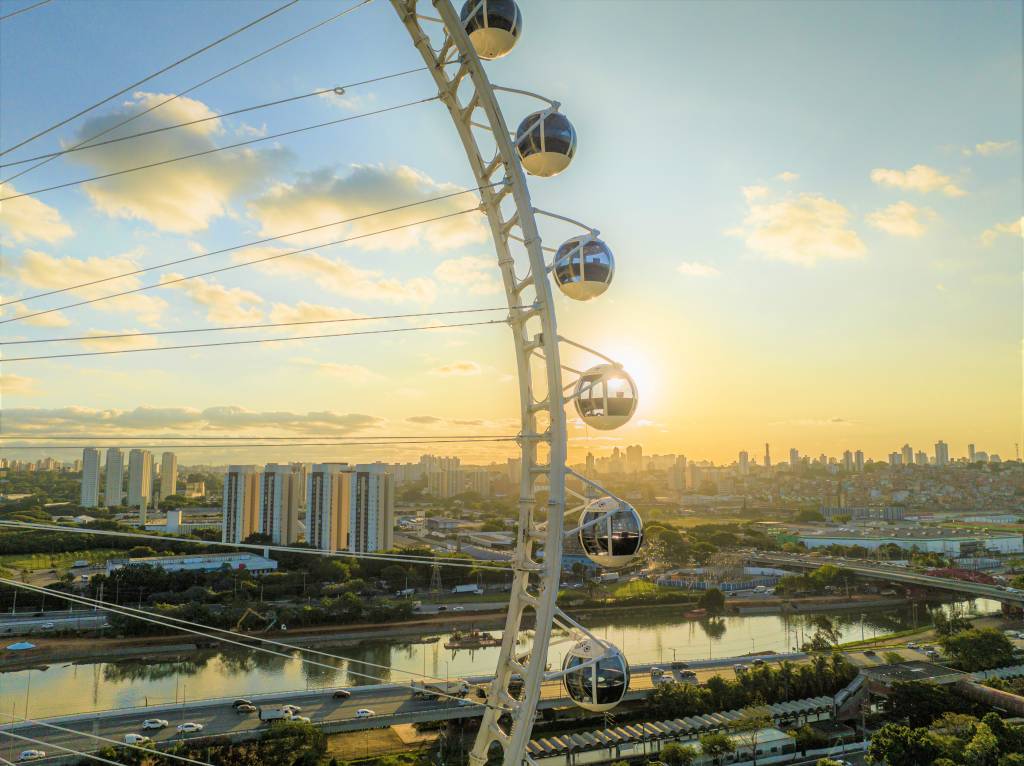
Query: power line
404, 206
249, 342
98, 738
209, 632
167, 282
395, 557
219, 148
24, 10
251, 326
197, 85
23, 738
93, 437
150, 77
277, 445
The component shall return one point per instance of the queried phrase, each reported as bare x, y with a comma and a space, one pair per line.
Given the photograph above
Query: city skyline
793, 271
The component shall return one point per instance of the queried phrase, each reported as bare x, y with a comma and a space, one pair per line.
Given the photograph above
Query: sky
815, 210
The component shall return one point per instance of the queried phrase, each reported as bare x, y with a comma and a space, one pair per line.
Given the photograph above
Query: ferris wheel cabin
546, 142
606, 397
596, 675
493, 26
611, 532
584, 267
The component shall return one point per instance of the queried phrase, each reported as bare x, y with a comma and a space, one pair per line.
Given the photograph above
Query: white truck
422, 690
475, 589
275, 713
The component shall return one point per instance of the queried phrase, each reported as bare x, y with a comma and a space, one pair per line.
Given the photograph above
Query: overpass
890, 573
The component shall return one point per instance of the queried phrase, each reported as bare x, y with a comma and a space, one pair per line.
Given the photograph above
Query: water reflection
646, 636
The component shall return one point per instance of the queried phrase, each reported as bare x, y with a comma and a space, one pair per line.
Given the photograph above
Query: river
645, 636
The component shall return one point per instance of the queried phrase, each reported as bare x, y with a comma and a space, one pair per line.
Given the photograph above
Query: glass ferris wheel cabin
584, 267
493, 26
606, 397
611, 532
596, 675
546, 142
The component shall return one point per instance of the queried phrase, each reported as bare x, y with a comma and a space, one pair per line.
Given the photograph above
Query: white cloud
350, 102
340, 277
989, 148
321, 197
788, 176
118, 344
48, 272
182, 196
16, 385
1013, 228
479, 275
461, 368
26, 218
695, 269
352, 373
754, 192
800, 230
309, 312
52, 319
902, 219
232, 305
920, 178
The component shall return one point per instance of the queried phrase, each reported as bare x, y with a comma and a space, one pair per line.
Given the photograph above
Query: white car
293, 709
189, 727
136, 739
155, 723
300, 718
458, 608
31, 755
365, 713
48, 626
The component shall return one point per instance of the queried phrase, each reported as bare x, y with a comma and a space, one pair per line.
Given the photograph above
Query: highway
50, 622
891, 573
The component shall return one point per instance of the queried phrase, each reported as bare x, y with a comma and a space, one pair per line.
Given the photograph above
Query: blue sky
784, 272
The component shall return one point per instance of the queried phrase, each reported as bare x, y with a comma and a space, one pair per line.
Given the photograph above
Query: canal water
654, 636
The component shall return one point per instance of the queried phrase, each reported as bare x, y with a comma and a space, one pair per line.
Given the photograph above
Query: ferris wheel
595, 673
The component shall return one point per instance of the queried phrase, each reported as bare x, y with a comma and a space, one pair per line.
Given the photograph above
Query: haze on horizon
815, 210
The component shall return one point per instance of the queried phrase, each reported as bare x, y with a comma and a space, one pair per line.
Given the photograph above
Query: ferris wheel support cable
166, 282
404, 206
399, 558
26, 9
216, 149
215, 634
149, 77
196, 86
535, 586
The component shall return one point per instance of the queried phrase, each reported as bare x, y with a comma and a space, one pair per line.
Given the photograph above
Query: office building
90, 477
921, 458
114, 494
280, 496
941, 453
477, 480
350, 508
168, 475
634, 458
743, 463
848, 461
858, 461
140, 477
907, 454
970, 453
767, 456
794, 457
895, 458
240, 508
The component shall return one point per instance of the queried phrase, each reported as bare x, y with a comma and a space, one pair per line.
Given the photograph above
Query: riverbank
51, 650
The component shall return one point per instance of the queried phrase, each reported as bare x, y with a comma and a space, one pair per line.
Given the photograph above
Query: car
341, 694
155, 723
442, 608
240, 709
293, 709
31, 755
739, 667
458, 608
48, 626
758, 662
869, 653
301, 718
136, 739
241, 701
364, 712
188, 727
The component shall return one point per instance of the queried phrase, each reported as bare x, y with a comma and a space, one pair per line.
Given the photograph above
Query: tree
749, 725
674, 754
983, 749
947, 626
808, 517
713, 600
979, 649
809, 738
716, 745
898, 745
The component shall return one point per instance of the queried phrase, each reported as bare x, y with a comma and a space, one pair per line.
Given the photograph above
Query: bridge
891, 573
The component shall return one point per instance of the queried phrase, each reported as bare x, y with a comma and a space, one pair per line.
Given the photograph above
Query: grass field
20, 561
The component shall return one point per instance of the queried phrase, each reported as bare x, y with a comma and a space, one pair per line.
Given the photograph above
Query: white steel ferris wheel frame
535, 583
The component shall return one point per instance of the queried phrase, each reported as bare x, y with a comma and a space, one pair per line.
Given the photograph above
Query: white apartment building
90, 477
240, 508
168, 474
140, 477
281, 494
350, 508
114, 494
